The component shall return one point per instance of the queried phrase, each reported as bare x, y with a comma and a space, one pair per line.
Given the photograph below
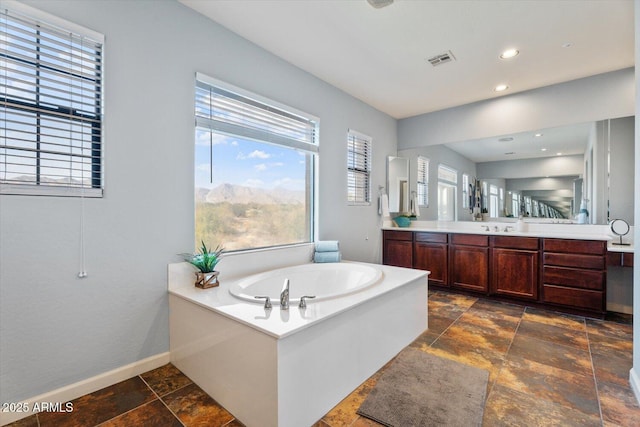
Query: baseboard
634, 380
89, 385
619, 308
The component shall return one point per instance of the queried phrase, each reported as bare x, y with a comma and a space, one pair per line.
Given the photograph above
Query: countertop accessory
620, 228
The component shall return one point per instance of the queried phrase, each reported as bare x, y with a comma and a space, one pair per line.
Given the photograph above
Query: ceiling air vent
442, 58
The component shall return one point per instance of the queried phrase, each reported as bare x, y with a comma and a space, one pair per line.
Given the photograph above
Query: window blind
230, 112
358, 168
50, 106
423, 181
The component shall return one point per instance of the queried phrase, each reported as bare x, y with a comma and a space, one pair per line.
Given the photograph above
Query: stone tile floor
546, 369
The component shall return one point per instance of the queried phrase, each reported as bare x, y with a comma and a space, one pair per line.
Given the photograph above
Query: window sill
38, 190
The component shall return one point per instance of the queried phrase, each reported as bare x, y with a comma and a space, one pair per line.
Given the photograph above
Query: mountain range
241, 194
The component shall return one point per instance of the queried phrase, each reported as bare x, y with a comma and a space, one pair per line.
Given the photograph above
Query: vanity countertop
533, 229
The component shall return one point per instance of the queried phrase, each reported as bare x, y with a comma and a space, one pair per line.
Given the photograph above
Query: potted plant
205, 261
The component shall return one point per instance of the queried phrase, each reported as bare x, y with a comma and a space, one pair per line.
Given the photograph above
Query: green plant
206, 260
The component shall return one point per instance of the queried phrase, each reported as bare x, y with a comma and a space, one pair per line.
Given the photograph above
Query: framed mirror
398, 184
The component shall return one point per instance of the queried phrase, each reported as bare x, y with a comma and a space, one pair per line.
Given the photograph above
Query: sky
248, 163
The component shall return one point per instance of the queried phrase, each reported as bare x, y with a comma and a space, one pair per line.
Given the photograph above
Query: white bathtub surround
289, 368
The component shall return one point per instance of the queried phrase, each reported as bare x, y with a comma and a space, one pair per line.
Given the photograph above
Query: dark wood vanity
561, 274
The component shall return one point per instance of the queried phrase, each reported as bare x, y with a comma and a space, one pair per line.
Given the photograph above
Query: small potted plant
205, 262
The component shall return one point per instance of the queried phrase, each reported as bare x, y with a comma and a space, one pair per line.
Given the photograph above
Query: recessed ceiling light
501, 87
506, 139
509, 53
558, 154
543, 149
538, 135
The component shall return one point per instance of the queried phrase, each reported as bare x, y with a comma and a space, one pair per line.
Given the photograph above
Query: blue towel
327, 246
334, 256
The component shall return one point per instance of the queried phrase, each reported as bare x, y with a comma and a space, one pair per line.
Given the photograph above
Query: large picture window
50, 105
254, 169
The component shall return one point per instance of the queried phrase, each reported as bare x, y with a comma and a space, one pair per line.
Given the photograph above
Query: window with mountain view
50, 105
254, 167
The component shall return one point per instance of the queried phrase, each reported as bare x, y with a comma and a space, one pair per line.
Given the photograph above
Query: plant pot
207, 280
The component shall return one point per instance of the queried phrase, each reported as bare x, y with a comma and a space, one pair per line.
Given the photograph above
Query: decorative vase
207, 280
402, 221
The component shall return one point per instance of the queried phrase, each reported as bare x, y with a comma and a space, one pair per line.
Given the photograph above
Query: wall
58, 329
438, 155
635, 371
621, 169
579, 101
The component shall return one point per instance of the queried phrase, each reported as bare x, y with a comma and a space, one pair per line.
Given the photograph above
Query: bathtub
287, 368
323, 281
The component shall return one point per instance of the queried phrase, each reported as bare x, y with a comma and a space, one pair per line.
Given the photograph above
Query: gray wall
58, 329
621, 169
636, 258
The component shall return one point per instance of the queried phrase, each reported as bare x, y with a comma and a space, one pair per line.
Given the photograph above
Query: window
50, 105
358, 168
466, 202
423, 181
254, 169
493, 201
447, 186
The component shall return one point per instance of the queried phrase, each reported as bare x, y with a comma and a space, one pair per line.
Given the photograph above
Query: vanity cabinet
564, 274
469, 262
574, 273
430, 253
514, 267
397, 248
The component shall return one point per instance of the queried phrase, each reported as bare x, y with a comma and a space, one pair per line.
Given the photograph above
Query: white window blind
466, 202
234, 112
447, 174
51, 105
359, 148
423, 181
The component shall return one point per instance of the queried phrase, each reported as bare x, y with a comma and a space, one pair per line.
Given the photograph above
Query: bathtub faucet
284, 296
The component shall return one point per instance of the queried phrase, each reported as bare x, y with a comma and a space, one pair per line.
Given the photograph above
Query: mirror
564, 173
620, 227
398, 184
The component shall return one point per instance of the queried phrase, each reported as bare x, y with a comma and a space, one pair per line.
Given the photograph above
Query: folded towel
335, 256
327, 246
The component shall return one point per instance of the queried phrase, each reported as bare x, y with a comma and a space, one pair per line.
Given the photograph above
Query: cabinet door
398, 253
469, 267
515, 273
432, 257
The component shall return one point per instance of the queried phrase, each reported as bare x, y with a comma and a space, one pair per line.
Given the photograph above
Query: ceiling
380, 55
567, 140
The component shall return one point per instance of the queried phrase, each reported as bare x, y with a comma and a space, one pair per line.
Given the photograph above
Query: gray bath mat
419, 389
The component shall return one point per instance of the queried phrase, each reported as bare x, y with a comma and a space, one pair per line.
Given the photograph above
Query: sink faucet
284, 296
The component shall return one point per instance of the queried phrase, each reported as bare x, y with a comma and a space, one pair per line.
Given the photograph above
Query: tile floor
545, 369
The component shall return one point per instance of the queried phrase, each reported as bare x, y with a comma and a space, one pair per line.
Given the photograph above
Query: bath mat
420, 389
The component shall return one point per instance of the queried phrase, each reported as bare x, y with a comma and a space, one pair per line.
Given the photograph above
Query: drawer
585, 279
470, 239
526, 243
398, 235
587, 247
431, 237
577, 298
593, 262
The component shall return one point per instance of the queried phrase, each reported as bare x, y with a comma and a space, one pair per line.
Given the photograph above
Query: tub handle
267, 301
303, 303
